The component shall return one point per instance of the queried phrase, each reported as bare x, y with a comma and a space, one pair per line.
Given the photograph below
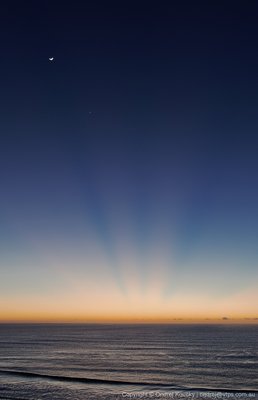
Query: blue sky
128, 165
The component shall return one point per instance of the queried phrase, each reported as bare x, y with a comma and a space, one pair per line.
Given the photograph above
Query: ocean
93, 361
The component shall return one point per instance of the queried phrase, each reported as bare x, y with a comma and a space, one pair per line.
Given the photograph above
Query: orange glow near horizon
107, 303
92, 291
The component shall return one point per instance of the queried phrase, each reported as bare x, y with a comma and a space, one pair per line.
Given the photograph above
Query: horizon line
227, 321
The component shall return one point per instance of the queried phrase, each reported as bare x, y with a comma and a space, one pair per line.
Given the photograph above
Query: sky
128, 164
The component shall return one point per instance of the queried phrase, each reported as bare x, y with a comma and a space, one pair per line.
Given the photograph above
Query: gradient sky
129, 164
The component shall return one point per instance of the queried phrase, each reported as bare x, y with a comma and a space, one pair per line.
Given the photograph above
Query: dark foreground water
128, 362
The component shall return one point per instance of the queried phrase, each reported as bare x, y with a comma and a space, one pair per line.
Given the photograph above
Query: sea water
93, 361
